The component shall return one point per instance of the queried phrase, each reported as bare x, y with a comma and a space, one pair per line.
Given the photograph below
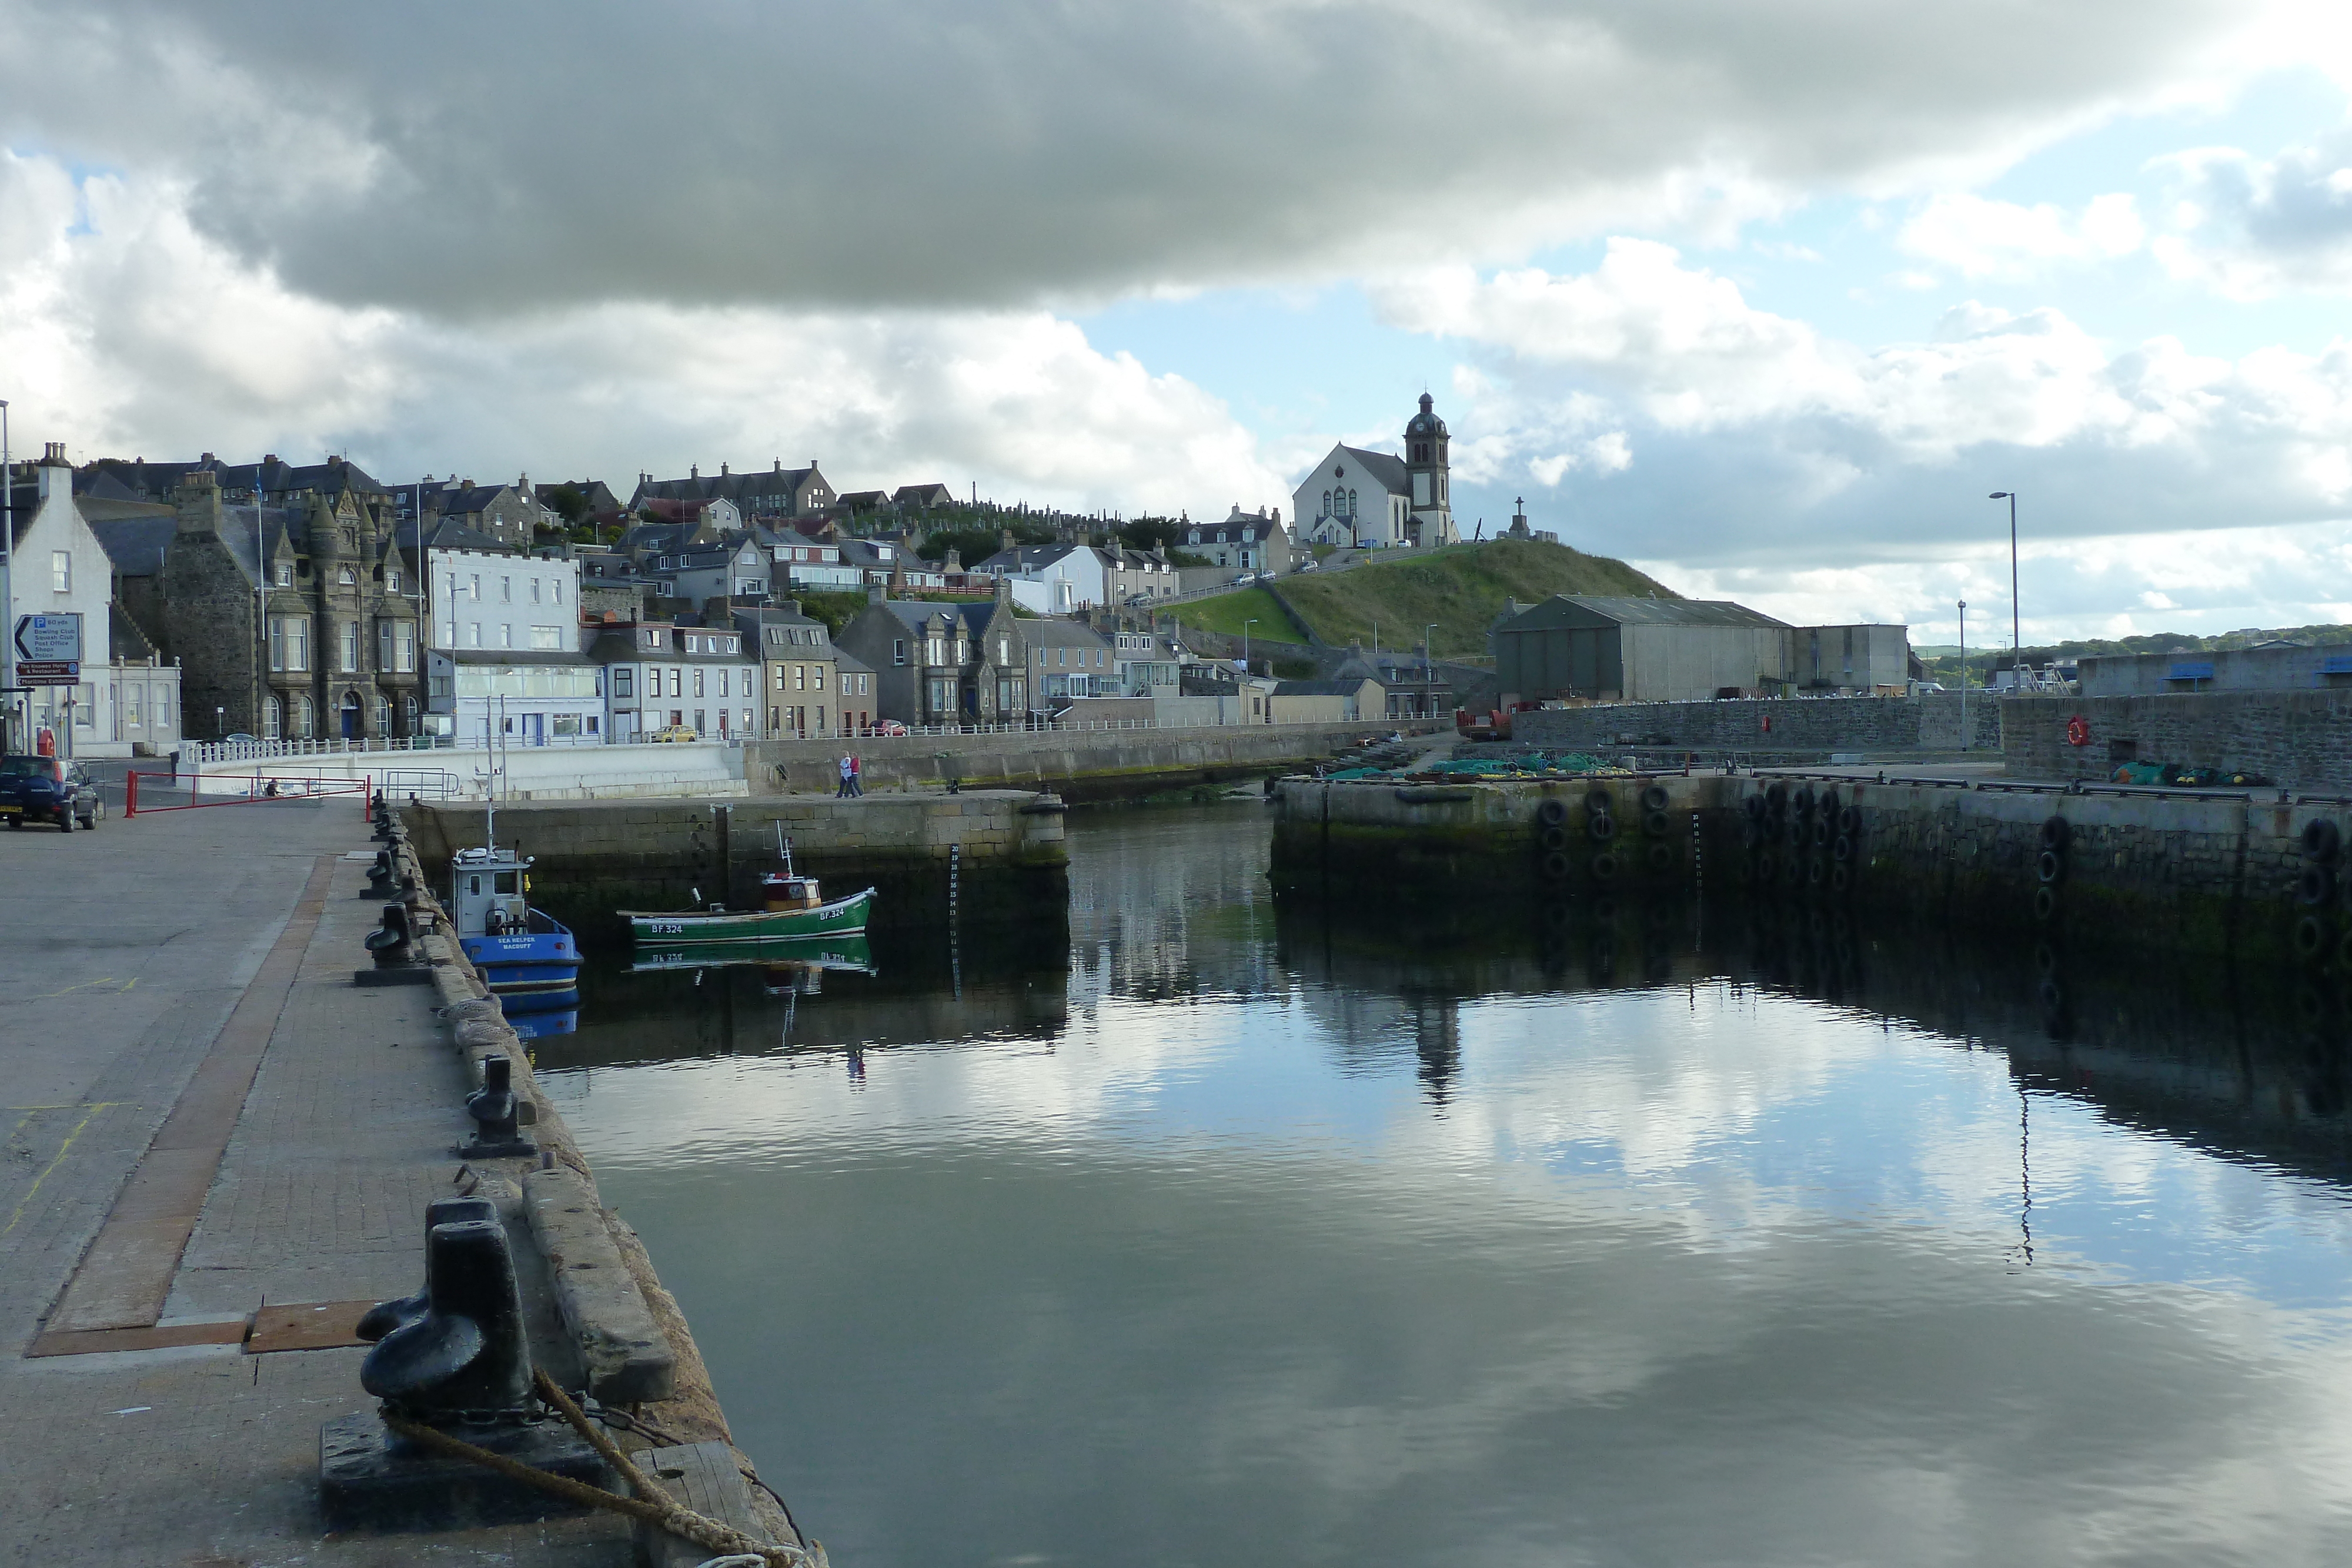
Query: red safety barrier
303, 787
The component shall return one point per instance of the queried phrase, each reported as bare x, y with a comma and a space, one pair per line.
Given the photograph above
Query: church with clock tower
1377, 499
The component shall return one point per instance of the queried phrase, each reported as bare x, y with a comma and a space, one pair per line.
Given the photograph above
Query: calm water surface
1227, 1238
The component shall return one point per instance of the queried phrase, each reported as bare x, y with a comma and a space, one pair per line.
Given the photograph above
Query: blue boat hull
535, 971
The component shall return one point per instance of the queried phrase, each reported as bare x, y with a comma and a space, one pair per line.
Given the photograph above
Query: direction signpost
49, 639
48, 673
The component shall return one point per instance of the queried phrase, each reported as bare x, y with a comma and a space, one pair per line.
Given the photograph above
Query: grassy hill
1461, 587
1943, 662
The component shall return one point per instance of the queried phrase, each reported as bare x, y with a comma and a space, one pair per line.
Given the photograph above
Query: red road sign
48, 672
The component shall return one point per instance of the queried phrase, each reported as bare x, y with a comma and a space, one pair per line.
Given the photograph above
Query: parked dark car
48, 789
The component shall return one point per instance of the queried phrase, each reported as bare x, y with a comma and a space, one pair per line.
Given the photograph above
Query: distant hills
1945, 657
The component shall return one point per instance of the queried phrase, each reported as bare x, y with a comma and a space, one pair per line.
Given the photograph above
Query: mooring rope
652, 1503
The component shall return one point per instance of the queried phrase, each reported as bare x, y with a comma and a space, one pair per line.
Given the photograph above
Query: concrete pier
2193, 871
217, 1151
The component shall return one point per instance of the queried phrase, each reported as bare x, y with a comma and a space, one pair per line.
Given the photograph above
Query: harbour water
1225, 1234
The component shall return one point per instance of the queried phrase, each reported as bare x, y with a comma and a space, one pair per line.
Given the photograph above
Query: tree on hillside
973, 545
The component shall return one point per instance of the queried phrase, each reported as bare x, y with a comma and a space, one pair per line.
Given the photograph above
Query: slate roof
1334, 688
447, 533
139, 480
136, 545
1388, 471
974, 614
1642, 612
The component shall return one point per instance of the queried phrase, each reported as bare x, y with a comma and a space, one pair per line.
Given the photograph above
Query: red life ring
2078, 731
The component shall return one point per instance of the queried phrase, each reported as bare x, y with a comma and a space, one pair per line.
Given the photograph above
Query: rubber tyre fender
1802, 802
1552, 813
2314, 887
1752, 837
1766, 866
1842, 850
1604, 867
1661, 857
1600, 800
1826, 803
1816, 872
2323, 840
1654, 798
2310, 934
1654, 824
1556, 866
1554, 838
2045, 959
2049, 867
1601, 826
1848, 820
2045, 903
1754, 807
1822, 832
2057, 833
1775, 796
1840, 879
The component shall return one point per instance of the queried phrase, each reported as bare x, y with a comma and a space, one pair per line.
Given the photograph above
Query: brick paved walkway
122, 954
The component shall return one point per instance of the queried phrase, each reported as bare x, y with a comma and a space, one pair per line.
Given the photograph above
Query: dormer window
693, 643
285, 575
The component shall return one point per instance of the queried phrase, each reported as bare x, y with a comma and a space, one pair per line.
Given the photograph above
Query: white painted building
503, 654
1053, 580
1378, 500
127, 700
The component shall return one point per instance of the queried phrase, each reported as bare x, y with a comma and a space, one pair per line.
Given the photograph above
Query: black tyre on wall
2322, 841
1552, 813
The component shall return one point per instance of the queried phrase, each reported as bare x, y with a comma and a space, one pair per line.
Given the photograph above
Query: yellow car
674, 732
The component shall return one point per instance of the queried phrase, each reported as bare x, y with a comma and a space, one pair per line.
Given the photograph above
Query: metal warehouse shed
1640, 650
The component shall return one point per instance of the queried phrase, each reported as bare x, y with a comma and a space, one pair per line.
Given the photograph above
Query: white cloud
131, 333
1987, 239
463, 160
2252, 228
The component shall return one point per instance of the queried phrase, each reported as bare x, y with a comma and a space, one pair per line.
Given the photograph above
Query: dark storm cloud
472, 158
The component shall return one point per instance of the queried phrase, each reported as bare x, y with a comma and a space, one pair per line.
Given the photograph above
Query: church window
1326, 503
1351, 503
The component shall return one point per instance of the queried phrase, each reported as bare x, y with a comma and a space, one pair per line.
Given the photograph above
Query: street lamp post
1429, 671
2016, 643
1964, 675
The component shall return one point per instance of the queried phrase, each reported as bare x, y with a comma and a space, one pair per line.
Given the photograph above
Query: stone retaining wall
1074, 764
594, 857
1797, 724
2302, 738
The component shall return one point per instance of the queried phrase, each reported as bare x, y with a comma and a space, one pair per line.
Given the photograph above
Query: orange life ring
2078, 731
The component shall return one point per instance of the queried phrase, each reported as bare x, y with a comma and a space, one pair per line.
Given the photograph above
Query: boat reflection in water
538, 1025
793, 966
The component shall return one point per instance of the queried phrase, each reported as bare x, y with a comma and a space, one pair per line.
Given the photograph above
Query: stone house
297, 620
777, 492
945, 663
1052, 580
1246, 541
804, 687
511, 513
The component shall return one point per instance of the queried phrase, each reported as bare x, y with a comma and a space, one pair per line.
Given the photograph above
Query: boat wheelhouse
526, 956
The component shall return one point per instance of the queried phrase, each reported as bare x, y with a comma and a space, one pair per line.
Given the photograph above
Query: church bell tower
1426, 467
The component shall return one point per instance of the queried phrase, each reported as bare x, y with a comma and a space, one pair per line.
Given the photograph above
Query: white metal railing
205, 752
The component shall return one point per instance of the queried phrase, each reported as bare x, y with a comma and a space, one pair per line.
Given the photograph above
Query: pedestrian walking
848, 779
856, 775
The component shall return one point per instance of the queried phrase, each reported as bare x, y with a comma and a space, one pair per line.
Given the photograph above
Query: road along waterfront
1695, 1232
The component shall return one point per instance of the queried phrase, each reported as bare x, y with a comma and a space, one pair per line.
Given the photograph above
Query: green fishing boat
795, 908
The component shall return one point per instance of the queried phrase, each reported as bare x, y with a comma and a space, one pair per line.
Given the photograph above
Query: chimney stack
196, 501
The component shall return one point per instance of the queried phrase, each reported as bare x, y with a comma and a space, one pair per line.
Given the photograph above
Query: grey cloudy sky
1644, 252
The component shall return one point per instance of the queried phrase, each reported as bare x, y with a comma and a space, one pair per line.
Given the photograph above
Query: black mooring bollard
390, 941
467, 1354
386, 1316
495, 1109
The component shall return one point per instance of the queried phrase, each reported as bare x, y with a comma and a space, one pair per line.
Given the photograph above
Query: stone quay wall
2302, 738
2146, 871
1077, 765
1929, 723
1010, 856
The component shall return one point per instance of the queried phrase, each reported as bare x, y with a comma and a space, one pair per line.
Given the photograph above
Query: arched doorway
350, 716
